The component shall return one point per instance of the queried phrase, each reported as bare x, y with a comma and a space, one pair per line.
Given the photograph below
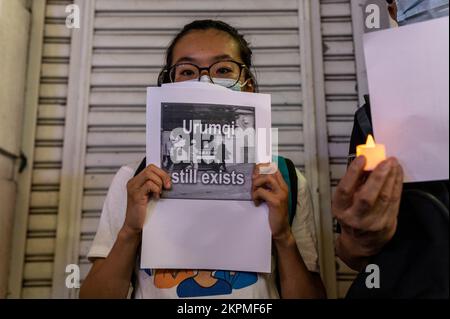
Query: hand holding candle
374, 153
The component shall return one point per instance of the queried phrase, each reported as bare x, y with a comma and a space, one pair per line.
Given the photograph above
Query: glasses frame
165, 74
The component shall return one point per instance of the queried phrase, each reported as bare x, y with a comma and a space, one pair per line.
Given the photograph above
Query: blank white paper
408, 75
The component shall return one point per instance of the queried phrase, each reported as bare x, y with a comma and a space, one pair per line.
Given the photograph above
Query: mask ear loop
250, 78
250, 83
245, 83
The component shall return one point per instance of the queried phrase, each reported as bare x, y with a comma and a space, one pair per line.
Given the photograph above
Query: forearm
111, 279
295, 279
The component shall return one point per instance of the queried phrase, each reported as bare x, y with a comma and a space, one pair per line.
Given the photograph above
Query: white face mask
224, 82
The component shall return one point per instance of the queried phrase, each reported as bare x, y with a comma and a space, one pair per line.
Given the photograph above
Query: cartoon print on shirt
238, 279
168, 278
201, 283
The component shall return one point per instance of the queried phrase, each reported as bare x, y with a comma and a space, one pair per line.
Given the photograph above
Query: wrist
129, 234
363, 244
285, 239
350, 252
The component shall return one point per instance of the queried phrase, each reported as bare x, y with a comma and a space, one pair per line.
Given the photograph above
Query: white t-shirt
201, 284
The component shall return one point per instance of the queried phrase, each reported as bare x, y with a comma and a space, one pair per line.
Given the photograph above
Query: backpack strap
287, 170
364, 122
140, 168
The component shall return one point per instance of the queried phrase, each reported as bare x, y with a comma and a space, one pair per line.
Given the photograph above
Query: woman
214, 51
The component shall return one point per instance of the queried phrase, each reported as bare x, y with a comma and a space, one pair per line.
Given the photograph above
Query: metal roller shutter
32, 264
128, 50
98, 99
341, 95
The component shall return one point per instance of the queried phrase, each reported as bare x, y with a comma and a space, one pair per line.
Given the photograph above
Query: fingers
376, 213
372, 220
391, 210
154, 173
156, 179
366, 198
385, 196
266, 168
260, 194
140, 178
151, 180
148, 187
274, 181
392, 190
269, 181
381, 214
398, 185
162, 175
256, 168
281, 181
270, 188
349, 183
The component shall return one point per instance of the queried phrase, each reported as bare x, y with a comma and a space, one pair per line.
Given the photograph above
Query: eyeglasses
230, 70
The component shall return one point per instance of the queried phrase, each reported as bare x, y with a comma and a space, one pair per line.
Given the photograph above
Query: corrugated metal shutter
128, 45
38, 258
341, 94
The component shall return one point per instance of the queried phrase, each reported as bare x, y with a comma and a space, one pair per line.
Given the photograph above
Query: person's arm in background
295, 279
367, 210
110, 277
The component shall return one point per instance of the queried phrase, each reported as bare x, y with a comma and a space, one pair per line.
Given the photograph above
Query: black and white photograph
208, 150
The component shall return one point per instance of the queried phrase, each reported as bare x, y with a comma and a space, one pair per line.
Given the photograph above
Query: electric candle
374, 153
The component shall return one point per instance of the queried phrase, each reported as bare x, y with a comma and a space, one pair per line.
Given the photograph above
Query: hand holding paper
147, 185
195, 132
272, 189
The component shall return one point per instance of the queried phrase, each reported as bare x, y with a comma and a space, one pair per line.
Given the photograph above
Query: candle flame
370, 141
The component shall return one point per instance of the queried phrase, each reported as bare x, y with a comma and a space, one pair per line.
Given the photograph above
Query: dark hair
244, 47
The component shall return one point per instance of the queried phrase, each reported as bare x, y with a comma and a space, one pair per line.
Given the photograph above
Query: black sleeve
362, 127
